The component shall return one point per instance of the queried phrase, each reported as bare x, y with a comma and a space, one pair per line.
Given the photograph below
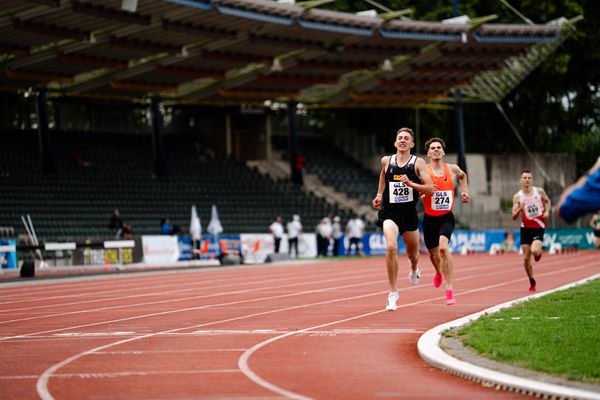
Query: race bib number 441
532, 207
400, 193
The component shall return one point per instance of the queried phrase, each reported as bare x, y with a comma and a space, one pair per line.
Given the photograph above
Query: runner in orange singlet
438, 221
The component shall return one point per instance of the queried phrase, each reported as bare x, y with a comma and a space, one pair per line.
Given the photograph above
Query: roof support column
228, 141
296, 159
46, 150
269, 135
460, 132
460, 122
158, 146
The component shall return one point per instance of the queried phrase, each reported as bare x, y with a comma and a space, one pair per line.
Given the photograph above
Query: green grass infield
558, 334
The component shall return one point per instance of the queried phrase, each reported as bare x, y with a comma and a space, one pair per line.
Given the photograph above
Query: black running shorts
404, 222
528, 235
434, 227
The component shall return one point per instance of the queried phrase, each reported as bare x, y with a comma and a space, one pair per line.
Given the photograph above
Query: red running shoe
532, 288
537, 258
437, 280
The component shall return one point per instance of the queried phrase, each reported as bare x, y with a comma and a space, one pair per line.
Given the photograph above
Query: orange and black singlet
442, 200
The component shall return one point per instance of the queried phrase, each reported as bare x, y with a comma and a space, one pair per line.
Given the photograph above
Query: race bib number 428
400, 193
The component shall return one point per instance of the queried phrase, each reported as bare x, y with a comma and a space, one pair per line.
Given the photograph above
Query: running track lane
315, 330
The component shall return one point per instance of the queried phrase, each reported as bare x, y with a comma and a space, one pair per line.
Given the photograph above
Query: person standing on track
438, 221
402, 176
534, 206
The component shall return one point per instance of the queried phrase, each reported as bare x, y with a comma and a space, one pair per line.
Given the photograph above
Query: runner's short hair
435, 139
406, 130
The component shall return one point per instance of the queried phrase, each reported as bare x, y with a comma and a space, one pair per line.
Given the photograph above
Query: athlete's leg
434, 256
527, 260
446, 262
390, 232
411, 242
536, 249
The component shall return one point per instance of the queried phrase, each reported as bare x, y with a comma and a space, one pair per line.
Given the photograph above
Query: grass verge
558, 334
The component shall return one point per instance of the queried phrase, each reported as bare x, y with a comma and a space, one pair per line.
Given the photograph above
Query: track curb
431, 352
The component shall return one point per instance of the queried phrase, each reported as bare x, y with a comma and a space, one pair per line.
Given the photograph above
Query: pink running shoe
437, 280
450, 297
532, 288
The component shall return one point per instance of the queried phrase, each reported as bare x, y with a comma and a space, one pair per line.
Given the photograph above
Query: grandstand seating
99, 172
335, 168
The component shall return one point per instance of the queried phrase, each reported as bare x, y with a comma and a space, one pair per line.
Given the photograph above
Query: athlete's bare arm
376, 203
462, 180
546, 201
421, 170
517, 206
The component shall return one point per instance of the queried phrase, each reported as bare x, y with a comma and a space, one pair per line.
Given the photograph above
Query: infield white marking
42, 383
243, 360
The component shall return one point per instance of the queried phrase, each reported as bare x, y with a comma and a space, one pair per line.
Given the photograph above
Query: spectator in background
116, 223
509, 242
355, 230
323, 232
276, 229
582, 197
165, 226
127, 231
336, 234
294, 230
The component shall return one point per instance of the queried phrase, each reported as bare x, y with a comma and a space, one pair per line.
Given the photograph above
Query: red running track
315, 330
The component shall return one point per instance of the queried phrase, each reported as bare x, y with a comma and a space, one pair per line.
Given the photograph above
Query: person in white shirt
324, 230
294, 229
336, 234
355, 230
276, 229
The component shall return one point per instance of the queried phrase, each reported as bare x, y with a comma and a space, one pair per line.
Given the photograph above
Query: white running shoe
415, 276
391, 301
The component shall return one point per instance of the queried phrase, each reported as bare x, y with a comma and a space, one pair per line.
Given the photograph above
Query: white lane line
235, 332
27, 335
205, 286
84, 285
69, 334
430, 352
3, 338
212, 295
42, 383
243, 360
174, 351
127, 306
125, 374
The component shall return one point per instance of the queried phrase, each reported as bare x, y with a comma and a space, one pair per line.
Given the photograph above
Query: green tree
556, 108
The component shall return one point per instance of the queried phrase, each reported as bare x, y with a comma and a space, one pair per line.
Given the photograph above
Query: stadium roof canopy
251, 51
